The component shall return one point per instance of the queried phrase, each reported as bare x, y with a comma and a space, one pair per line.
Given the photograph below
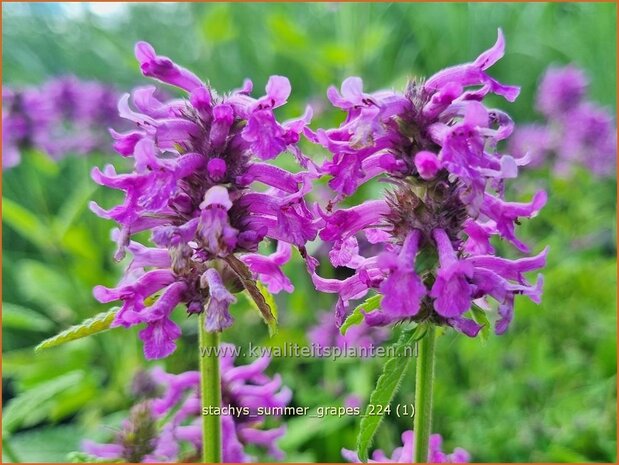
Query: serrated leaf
386, 387
481, 318
264, 301
356, 317
18, 317
94, 325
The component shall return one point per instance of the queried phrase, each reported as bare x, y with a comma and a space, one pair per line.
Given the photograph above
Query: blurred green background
545, 391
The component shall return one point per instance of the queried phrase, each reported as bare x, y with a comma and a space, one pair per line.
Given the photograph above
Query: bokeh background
545, 391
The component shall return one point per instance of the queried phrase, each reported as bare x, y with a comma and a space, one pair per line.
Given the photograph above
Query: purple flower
590, 140
561, 90
402, 289
196, 162
159, 428
63, 116
533, 141
159, 338
404, 453
459, 281
576, 132
505, 214
435, 145
451, 290
164, 69
217, 316
427, 164
268, 268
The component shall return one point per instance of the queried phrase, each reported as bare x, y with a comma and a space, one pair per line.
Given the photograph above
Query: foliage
386, 387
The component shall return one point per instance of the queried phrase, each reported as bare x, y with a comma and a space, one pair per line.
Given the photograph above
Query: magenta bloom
590, 140
404, 453
196, 161
435, 146
63, 116
561, 90
576, 132
533, 141
169, 423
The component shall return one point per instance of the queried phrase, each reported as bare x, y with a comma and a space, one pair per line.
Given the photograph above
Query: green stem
423, 394
211, 394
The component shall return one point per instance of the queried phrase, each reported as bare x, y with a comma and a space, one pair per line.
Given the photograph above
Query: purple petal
427, 164
218, 316
164, 69
159, 338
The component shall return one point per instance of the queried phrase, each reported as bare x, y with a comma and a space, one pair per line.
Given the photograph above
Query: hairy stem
210, 385
423, 394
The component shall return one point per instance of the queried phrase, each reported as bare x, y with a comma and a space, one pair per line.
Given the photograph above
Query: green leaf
47, 443
43, 163
481, 318
48, 287
301, 429
260, 296
74, 399
94, 325
77, 240
356, 317
268, 297
18, 317
386, 388
26, 224
34, 405
75, 204
426, 260
29, 369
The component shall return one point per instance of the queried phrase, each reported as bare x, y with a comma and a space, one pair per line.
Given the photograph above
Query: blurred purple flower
161, 424
404, 453
576, 132
63, 116
533, 141
435, 144
561, 90
196, 161
589, 139
327, 334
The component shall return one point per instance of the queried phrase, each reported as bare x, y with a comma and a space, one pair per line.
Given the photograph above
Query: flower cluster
168, 426
435, 145
196, 162
404, 454
576, 131
65, 115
